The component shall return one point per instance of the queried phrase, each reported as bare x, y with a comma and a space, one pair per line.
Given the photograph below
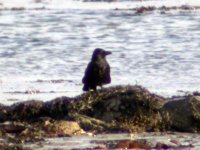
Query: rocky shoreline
119, 109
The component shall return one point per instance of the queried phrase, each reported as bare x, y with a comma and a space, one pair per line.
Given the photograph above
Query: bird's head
100, 53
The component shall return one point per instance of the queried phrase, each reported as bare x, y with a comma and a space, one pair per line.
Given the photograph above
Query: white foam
70, 4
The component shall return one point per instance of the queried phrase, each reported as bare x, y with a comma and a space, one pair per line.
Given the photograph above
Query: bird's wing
84, 80
108, 78
91, 73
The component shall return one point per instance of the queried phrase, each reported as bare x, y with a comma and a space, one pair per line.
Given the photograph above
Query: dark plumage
97, 72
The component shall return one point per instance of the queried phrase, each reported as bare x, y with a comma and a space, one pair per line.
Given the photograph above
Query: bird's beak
108, 52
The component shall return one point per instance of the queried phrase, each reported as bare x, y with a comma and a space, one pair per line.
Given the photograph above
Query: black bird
97, 72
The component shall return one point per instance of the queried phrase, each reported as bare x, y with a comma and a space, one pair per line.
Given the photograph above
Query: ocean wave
76, 4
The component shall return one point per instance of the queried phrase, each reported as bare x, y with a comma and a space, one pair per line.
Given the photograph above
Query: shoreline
118, 109
20, 96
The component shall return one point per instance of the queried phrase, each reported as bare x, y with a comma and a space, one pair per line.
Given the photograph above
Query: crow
97, 72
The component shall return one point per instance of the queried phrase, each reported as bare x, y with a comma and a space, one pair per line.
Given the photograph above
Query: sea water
46, 45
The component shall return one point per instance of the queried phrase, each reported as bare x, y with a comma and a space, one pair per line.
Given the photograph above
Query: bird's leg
94, 88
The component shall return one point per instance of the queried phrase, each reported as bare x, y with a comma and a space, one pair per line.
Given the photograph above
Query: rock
63, 128
187, 7
184, 115
163, 9
143, 9
114, 109
124, 106
17, 8
172, 145
99, 147
21, 132
91, 124
119, 108
33, 110
137, 144
10, 146
28, 110
3, 112
57, 108
163, 146
175, 142
10, 127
